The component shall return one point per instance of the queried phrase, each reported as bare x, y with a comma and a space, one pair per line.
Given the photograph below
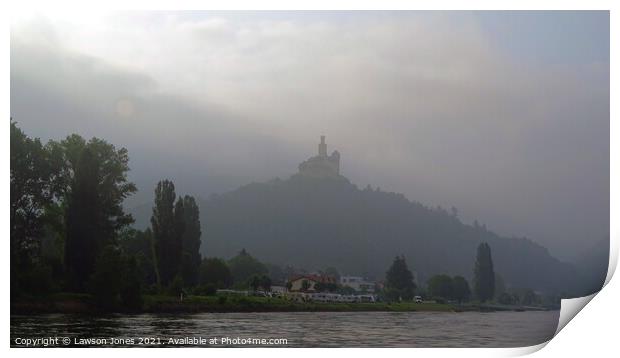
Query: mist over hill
317, 219
320, 222
593, 264
317, 222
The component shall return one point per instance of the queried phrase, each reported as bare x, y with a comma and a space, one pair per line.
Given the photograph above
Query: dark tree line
69, 230
33, 190
456, 288
399, 283
66, 207
451, 288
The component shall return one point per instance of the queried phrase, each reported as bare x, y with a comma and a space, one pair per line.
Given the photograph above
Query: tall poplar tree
168, 224
484, 276
177, 247
191, 259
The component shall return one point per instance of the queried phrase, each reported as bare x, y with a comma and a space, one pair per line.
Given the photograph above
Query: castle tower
322, 147
322, 165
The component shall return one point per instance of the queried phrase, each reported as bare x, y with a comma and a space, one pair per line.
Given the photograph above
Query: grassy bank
266, 304
84, 304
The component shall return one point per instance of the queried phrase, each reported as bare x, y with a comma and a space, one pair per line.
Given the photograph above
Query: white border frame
593, 330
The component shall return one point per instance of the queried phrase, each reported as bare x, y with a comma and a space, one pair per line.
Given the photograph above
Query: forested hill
314, 223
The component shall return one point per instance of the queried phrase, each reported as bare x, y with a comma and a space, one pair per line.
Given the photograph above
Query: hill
593, 264
317, 222
318, 219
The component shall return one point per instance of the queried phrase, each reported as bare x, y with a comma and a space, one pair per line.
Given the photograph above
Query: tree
167, 224
265, 282
276, 274
399, 280
176, 286
529, 297
31, 193
105, 283
254, 282
131, 281
93, 185
114, 187
441, 286
33, 174
214, 271
500, 286
83, 217
460, 289
28, 188
333, 272
66, 203
483, 273
191, 259
206, 290
506, 299
139, 245
243, 266
305, 285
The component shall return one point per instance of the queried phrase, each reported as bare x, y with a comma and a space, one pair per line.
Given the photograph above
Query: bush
216, 272
130, 291
241, 300
222, 300
206, 290
176, 286
105, 282
439, 300
38, 281
151, 289
396, 295
506, 299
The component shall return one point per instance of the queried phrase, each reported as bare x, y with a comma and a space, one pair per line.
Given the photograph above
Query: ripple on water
311, 329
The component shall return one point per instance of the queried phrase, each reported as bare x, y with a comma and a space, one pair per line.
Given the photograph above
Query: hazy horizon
504, 116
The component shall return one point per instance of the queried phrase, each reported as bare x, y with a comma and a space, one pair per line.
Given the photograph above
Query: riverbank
84, 304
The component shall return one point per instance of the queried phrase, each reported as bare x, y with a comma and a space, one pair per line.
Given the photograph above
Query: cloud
421, 103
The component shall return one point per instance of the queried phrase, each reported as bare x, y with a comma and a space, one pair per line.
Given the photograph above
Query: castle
322, 165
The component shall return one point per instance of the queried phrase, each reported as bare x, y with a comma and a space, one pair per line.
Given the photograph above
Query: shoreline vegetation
69, 303
73, 249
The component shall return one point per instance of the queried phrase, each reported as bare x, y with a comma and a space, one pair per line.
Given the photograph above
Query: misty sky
504, 115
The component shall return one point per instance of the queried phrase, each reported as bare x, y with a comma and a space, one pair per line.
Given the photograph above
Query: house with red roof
307, 282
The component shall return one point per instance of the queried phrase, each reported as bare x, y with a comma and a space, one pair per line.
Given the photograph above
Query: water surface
302, 329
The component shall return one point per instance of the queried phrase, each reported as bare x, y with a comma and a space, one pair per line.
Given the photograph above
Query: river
300, 329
